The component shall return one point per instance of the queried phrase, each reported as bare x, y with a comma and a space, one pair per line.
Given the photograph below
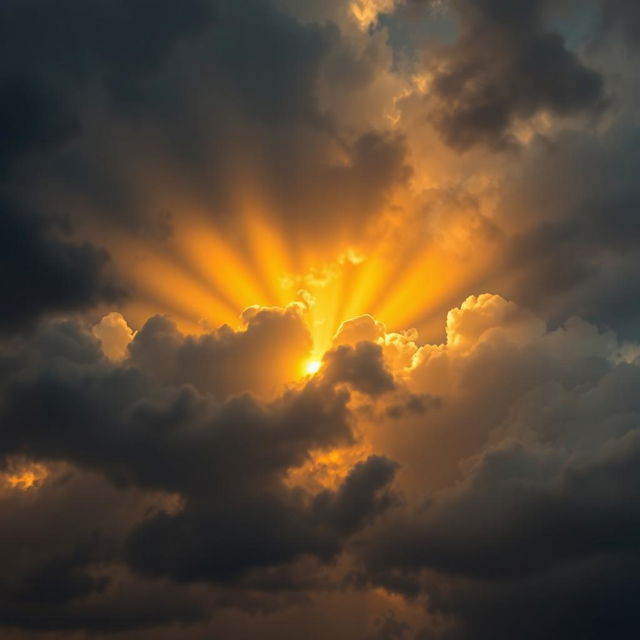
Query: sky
320, 319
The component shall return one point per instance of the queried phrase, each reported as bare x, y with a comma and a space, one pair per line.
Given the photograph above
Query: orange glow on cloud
26, 476
366, 11
208, 275
327, 469
208, 269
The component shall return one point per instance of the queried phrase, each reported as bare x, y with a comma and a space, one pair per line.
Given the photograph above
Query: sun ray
272, 258
225, 267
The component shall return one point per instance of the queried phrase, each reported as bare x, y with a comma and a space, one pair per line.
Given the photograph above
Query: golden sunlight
312, 367
333, 284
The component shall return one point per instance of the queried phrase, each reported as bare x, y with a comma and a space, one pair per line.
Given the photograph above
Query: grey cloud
60, 550
507, 64
211, 82
48, 49
226, 460
45, 272
390, 628
581, 198
361, 366
619, 15
225, 362
545, 498
363, 495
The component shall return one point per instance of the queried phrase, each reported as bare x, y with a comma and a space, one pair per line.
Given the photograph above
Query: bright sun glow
312, 367
264, 267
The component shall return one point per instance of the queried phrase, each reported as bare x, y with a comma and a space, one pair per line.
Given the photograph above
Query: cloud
363, 495
167, 163
571, 239
480, 316
361, 329
544, 485
58, 545
255, 121
361, 366
114, 335
225, 362
507, 65
45, 272
214, 115
41, 66
521, 473
33, 117
390, 628
156, 434
625, 16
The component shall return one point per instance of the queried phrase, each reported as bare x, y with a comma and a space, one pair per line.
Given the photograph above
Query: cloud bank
437, 202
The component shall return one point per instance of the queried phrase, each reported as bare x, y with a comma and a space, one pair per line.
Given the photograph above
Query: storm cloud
319, 319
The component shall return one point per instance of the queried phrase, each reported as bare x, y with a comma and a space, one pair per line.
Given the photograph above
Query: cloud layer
435, 201
520, 471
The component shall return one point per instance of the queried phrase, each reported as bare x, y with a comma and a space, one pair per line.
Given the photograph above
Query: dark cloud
45, 272
67, 399
411, 404
198, 491
216, 95
507, 65
95, 90
580, 601
481, 530
225, 362
54, 33
486, 486
32, 118
219, 541
225, 460
580, 202
49, 54
361, 366
58, 547
623, 16
390, 628
363, 495
543, 500
48, 51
